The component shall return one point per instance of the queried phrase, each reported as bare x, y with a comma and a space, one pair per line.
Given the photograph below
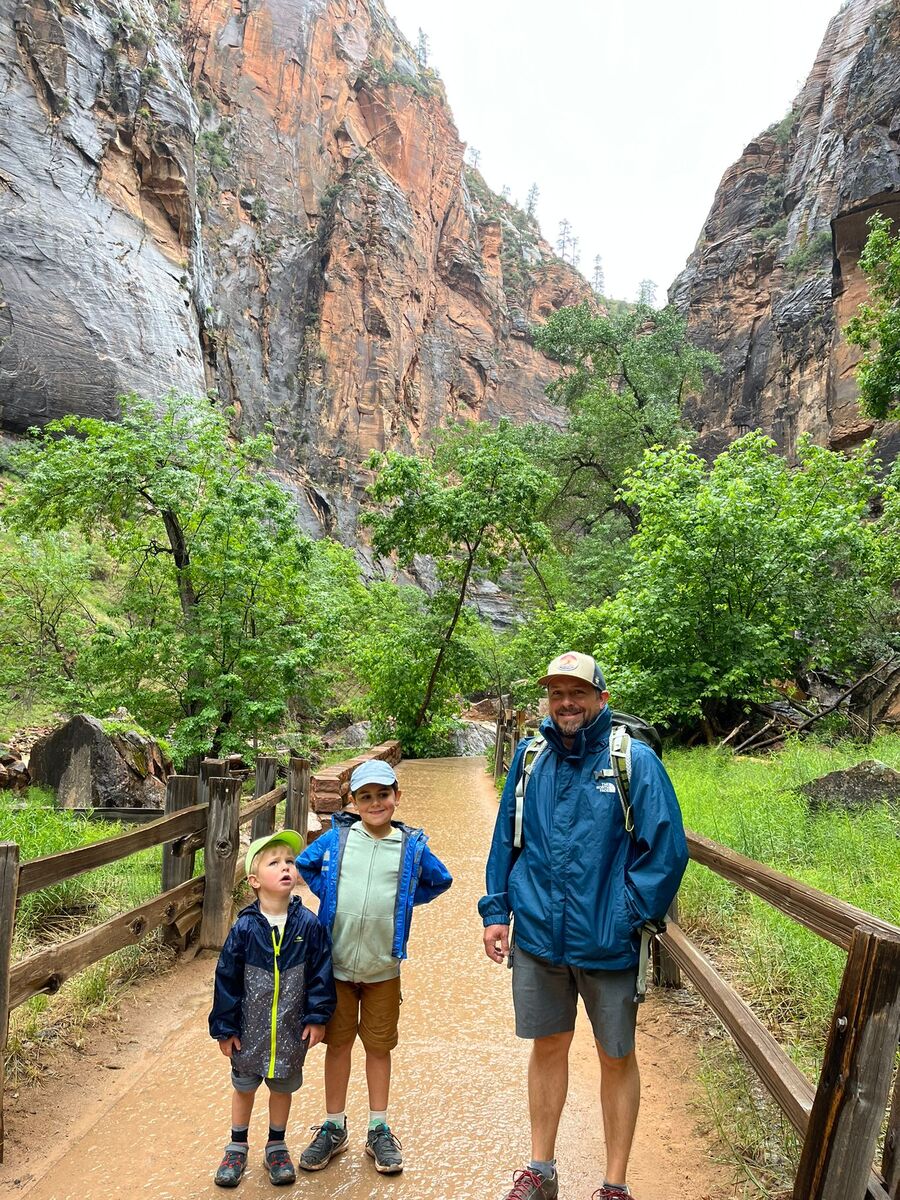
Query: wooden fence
202, 812
840, 1119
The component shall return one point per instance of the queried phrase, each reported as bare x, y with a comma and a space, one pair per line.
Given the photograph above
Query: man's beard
569, 725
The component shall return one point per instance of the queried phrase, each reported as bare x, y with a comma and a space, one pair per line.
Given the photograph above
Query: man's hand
496, 942
229, 1045
315, 1033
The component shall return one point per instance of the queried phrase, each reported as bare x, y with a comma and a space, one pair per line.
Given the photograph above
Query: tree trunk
435, 670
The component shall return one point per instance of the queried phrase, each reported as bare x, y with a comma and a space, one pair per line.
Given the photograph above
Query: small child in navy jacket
274, 995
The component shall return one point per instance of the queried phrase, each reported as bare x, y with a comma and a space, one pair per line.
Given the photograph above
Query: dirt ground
143, 1108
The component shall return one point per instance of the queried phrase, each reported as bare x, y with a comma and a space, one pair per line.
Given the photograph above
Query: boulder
862, 786
90, 768
474, 738
357, 735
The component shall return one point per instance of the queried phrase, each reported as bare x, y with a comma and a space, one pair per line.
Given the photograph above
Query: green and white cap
576, 666
290, 837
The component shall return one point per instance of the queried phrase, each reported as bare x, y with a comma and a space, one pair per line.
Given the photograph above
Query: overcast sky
626, 113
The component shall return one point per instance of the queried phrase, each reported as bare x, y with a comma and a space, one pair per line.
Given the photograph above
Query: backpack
625, 727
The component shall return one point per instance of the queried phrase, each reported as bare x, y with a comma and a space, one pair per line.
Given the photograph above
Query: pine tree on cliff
565, 240
647, 293
422, 48
598, 282
531, 201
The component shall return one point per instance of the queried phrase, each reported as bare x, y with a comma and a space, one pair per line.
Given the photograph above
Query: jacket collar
587, 740
253, 909
343, 820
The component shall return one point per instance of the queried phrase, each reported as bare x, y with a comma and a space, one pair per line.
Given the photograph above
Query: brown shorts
370, 1009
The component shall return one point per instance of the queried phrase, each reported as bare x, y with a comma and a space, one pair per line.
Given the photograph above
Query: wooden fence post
181, 792
296, 809
666, 971
498, 746
220, 860
264, 822
9, 887
856, 1072
210, 768
890, 1163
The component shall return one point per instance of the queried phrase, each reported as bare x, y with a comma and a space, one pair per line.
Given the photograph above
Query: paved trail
145, 1112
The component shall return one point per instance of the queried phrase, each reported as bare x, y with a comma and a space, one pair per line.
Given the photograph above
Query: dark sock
621, 1188
240, 1135
276, 1135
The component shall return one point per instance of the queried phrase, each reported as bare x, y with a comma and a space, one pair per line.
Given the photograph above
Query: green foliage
810, 252
774, 232
215, 623
472, 508
626, 377
790, 975
784, 128
212, 145
744, 572
876, 326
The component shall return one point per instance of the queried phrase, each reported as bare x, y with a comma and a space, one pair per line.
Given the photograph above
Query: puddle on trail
458, 1100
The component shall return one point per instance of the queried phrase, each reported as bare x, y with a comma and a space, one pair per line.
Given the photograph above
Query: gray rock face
869, 782
267, 200
474, 738
89, 769
774, 276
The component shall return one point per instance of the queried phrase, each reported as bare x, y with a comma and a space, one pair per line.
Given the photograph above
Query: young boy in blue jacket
368, 871
274, 995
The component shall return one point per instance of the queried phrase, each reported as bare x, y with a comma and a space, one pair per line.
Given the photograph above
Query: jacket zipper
276, 946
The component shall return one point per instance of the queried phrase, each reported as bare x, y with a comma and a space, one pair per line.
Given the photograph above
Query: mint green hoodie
363, 929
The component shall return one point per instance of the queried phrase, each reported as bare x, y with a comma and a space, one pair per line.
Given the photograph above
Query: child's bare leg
279, 1109
378, 1077
241, 1108
337, 1076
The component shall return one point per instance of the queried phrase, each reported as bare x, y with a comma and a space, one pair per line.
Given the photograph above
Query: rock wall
774, 275
264, 198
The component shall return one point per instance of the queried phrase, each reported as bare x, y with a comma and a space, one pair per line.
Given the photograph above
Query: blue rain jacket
581, 887
422, 875
268, 989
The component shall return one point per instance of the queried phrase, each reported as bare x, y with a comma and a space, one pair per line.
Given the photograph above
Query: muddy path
143, 1110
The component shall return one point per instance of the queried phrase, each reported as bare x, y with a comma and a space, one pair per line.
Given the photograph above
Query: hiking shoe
231, 1168
385, 1149
278, 1163
330, 1139
607, 1193
532, 1185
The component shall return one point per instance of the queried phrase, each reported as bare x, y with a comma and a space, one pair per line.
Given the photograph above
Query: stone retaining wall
330, 787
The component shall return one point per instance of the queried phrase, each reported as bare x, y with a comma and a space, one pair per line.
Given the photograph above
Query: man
580, 889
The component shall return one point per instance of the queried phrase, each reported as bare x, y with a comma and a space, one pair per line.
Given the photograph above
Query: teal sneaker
278, 1163
385, 1149
330, 1140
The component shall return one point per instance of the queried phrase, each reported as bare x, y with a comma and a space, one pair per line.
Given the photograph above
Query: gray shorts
249, 1083
545, 998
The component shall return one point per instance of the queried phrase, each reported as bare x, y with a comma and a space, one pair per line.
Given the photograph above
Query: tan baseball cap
577, 666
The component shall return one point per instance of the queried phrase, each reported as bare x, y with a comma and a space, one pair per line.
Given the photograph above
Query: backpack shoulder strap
529, 758
620, 759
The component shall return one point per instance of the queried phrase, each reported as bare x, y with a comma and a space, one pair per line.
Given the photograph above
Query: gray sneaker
330, 1140
532, 1185
385, 1149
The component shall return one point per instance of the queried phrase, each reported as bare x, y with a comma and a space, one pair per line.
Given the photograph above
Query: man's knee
616, 1066
553, 1046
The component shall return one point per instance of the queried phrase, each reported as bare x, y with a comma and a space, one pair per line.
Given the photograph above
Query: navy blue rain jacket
422, 875
581, 887
267, 998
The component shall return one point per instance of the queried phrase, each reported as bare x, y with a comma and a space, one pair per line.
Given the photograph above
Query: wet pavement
458, 1099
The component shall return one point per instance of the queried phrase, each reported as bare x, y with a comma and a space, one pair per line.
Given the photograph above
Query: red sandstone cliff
774, 276
266, 198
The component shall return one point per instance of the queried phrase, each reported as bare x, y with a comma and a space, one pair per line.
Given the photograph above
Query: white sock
337, 1119
377, 1118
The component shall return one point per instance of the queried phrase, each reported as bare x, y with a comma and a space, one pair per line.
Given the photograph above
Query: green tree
471, 507
625, 379
742, 573
876, 326
210, 632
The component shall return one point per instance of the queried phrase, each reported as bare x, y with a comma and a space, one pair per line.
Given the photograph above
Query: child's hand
315, 1033
229, 1045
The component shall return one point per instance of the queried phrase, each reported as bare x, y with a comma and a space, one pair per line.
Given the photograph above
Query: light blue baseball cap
374, 770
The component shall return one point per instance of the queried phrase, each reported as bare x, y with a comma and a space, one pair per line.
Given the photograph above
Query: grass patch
789, 975
61, 912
